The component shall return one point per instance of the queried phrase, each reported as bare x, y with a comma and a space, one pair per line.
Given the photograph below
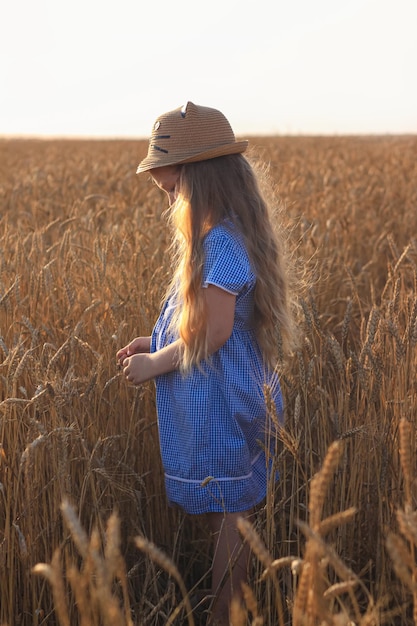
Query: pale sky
108, 69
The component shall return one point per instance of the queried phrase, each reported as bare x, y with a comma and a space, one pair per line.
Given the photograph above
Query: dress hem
215, 496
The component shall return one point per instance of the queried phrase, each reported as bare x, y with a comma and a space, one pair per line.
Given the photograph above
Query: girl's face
166, 178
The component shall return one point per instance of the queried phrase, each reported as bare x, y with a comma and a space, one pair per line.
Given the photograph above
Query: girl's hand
138, 368
137, 346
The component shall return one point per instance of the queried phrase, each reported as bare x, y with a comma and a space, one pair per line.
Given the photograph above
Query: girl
214, 345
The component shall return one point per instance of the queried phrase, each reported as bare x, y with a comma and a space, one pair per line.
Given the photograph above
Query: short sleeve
226, 262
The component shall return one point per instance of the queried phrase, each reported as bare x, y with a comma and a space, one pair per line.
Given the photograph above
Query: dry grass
82, 270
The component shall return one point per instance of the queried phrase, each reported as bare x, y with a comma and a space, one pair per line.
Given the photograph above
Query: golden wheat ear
53, 574
402, 549
93, 582
159, 557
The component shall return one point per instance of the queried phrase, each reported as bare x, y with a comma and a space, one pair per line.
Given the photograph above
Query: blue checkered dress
212, 419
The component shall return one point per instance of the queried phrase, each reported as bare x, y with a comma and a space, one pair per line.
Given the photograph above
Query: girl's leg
230, 562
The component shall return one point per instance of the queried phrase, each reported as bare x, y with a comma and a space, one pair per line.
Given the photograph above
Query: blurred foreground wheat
324, 590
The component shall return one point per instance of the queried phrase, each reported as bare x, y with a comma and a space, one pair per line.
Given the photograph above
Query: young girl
214, 345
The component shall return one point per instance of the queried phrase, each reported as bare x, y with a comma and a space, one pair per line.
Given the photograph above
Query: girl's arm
220, 318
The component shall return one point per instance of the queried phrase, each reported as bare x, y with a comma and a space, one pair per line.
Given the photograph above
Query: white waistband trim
220, 480
217, 480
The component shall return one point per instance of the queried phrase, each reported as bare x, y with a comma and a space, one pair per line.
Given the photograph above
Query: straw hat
188, 134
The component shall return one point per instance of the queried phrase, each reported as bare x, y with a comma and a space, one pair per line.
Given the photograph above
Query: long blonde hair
207, 193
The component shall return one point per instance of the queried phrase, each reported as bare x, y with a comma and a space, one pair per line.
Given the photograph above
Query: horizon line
115, 137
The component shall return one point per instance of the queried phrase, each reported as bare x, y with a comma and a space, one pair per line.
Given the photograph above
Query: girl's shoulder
226, 262
225, 231
226, 241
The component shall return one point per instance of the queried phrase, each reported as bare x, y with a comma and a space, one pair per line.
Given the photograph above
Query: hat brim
151, 163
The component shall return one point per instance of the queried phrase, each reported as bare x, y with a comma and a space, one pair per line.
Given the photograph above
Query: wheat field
86, 537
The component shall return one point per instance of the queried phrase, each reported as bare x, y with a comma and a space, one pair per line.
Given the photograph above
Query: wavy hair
207, 193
